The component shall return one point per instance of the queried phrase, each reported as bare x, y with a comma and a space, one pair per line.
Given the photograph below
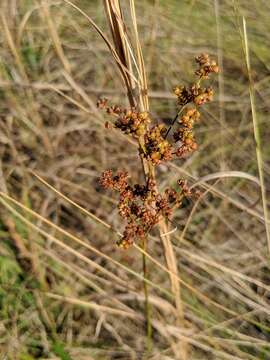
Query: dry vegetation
66, 290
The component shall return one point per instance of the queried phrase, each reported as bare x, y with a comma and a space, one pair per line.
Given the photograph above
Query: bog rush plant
141, 205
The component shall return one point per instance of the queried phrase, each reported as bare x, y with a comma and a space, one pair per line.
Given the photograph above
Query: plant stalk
148, 309
125, 54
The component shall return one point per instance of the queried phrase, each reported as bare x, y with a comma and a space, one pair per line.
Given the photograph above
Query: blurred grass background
59, 297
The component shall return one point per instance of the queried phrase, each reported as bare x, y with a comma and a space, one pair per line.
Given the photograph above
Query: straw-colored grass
66, 290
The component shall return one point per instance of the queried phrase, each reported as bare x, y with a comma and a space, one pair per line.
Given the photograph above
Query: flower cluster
206, 66
157, 148
154, 144
140, 205
195, 93
129, 121
184, 134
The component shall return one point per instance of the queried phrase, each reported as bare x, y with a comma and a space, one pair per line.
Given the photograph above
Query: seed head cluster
184, 134
206, 66
157, 148
142, 206
129, 121
193, 96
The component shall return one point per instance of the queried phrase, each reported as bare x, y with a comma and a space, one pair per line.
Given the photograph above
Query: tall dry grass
74, 294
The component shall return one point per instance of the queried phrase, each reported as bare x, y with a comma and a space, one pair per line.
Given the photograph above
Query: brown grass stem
148, 309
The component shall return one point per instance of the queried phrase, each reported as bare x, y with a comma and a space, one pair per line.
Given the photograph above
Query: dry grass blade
88, 213
170, 258
92, 305
193, 210
23, 74
220, 81
54, 239
222, 195
54, 34
175, 283
126, 75
13, 48
76, 240
225, 269
257, 135
122, 48
143, 91
176, 278
227, 174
